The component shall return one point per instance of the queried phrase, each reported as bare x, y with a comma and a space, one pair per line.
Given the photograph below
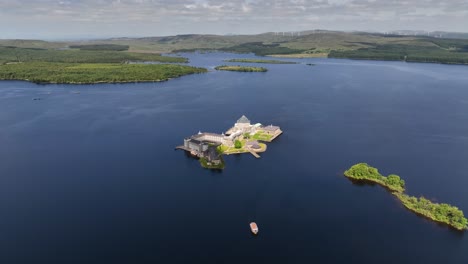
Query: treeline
13, 54
240, 68
363, 171
260, 49
108, 47
47, 72
442, 213
406, 53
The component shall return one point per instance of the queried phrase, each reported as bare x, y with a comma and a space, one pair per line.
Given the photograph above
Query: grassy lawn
262, 136
223, 148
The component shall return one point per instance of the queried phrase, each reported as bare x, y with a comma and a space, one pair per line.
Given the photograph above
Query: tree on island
237, 144
395, 180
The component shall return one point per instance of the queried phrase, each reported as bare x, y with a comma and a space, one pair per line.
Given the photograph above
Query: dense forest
47, 72
258, 48
448, 54
105, 47
13, 54
261, 49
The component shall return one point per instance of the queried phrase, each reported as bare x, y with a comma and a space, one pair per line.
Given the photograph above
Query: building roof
196, 141
202, 135
254, 144
271, 128
243, 120
212, 153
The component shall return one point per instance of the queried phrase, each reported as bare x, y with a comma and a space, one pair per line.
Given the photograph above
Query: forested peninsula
438, 212
89, 64
88, 73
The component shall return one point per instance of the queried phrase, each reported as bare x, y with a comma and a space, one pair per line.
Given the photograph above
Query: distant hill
435, 34
444, 47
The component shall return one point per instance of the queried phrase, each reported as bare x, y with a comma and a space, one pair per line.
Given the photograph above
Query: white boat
254, 228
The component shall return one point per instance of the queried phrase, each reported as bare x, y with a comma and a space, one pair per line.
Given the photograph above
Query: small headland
437, 212
240, 68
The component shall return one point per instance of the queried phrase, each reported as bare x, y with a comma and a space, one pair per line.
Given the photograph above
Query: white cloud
163, 17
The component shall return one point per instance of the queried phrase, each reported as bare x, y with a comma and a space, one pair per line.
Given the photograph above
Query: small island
243, 137
441, 213
261, 61
364, 172
240, 68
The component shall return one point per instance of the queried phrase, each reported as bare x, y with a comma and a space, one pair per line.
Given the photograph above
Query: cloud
165, 17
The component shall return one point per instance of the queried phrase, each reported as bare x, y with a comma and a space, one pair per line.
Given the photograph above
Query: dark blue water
93, 177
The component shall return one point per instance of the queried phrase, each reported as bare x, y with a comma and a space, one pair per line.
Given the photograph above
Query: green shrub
237, 144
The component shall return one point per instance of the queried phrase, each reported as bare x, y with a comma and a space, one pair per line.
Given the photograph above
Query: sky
72, 19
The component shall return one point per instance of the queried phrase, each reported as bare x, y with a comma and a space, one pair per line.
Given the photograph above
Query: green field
262, 136
47, 72
261, 61
240, 68
442, 213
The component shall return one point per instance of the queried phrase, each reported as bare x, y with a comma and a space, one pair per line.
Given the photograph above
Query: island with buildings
243, 137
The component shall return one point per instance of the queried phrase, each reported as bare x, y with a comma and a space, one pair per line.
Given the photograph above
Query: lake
89, 174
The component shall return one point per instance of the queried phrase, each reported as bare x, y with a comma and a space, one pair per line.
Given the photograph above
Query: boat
254, 228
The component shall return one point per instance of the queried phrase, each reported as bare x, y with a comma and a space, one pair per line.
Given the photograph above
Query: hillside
355, 45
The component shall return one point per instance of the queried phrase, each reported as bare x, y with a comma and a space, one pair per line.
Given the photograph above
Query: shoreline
406, 61
99, 82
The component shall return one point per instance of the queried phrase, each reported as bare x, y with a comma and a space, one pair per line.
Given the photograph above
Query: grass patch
240, 68
46, 72
262, 136
222, 148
